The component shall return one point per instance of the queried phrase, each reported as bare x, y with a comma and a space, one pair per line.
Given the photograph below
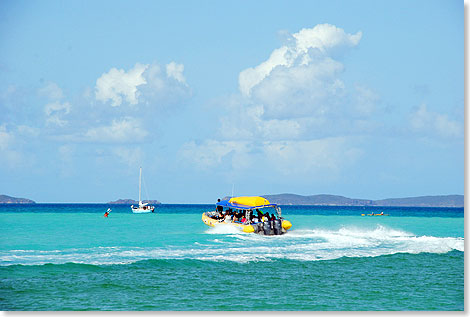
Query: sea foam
232, 245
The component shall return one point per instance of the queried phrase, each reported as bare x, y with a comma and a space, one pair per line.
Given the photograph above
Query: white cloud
174, 70
55, 111
118, 84
428, 122
286, 116
145, 83
298, 93
125, 130
304, 48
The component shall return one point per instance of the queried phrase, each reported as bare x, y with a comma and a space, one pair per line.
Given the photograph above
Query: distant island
334, 200
4, 199
132, 202
311, 200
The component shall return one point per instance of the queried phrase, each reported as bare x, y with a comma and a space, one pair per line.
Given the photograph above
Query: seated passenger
219, 208
252, 218
243, 219
228, 218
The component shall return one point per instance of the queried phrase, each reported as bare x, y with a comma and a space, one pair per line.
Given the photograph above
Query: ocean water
69, 257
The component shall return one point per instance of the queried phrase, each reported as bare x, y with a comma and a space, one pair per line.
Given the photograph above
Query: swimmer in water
106, 214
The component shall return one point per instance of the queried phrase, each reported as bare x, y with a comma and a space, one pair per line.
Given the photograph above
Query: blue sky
357, 98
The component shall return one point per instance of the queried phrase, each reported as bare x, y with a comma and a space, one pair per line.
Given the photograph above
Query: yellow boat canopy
246, 202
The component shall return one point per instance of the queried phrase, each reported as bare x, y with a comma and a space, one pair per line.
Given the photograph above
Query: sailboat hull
144, 208
139, 210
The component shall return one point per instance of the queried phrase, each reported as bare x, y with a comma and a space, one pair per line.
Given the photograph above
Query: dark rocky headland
4, 199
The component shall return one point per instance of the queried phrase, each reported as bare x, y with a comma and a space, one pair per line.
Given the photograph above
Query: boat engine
277, 227
267, 228
256, 227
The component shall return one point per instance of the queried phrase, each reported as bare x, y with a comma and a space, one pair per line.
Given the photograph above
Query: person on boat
265, 217
221, 215
219, 208
243, 219
273, 217
228, 218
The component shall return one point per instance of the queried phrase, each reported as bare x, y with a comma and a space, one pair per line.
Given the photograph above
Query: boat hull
247, 228
141, 210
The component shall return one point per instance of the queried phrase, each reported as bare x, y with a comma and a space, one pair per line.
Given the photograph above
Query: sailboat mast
140, 184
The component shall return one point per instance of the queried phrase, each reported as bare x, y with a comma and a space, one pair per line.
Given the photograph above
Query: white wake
226, 243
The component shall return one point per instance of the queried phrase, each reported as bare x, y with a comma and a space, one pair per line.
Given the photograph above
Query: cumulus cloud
289, 111
299, 91
150, 87
144, 83
305, 48
118, 84
424, 121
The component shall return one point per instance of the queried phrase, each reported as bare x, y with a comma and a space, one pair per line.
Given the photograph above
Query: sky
363, 99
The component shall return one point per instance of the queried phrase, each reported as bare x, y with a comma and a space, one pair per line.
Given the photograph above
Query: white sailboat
143, 207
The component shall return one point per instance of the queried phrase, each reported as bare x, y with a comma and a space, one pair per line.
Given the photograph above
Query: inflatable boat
251, 214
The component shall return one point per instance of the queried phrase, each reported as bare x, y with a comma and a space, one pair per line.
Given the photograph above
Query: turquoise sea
69, 257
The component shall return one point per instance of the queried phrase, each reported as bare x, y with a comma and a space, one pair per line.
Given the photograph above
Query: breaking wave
225, 243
